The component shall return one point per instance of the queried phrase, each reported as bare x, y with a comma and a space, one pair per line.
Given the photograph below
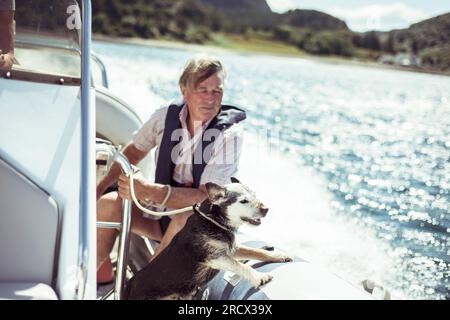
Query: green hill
427, 42
181, 19
312, 19
206, 21
434, 32
241, 15
428, 39
233, 6
185, 20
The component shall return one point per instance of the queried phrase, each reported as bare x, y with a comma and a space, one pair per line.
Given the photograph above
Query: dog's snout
264, 210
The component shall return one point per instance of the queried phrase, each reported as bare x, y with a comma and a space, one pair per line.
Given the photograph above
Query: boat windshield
47, 37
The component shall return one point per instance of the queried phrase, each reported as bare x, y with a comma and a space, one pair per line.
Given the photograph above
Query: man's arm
6, 39
155, 192
179, 198
133, 154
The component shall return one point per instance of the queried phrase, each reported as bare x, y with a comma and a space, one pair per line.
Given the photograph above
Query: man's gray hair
199, 69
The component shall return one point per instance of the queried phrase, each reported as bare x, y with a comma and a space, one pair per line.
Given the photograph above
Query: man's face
204, 101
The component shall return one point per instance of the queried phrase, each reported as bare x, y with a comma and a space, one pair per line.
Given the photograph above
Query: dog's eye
243, 201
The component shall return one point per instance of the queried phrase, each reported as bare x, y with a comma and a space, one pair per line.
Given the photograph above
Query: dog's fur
201, 248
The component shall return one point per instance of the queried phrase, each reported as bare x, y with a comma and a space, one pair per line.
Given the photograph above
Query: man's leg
109, 209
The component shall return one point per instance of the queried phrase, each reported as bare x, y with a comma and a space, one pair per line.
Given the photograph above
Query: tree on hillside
368, 40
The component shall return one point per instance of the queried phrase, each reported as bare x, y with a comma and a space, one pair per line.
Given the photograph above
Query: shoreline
178, 45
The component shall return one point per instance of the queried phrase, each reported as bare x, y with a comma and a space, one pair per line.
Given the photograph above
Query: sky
365, 15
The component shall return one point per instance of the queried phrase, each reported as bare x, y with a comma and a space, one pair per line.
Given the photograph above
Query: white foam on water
301, 219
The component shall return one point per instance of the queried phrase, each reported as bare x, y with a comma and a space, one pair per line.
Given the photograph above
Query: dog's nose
264, 211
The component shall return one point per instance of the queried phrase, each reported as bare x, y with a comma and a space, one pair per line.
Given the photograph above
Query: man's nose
209, 96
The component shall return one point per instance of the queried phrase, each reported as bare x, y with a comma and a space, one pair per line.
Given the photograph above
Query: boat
57, 138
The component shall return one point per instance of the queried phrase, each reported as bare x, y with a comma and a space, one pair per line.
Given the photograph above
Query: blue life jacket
227, 116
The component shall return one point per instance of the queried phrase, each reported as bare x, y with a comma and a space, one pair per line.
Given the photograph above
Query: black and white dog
206, 245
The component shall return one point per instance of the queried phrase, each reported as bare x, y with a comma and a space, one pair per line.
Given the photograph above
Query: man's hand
134, 155
140, 186
6, 60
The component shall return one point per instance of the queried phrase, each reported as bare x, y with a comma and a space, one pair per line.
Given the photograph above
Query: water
357, 174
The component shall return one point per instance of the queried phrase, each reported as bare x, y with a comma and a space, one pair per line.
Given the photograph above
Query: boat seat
29, 223
26, 291
116, 122
112, 110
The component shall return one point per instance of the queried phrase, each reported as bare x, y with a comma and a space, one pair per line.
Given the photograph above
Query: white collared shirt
226, 149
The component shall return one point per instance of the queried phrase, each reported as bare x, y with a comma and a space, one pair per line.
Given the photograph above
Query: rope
156, 213
169, 213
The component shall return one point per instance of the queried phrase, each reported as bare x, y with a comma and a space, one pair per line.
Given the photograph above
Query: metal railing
87, 180
124, 226
102, 68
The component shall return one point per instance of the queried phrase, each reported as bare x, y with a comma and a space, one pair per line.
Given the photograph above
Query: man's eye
243, 201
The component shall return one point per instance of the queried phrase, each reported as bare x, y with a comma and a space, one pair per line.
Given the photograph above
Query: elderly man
7, 8
197, 141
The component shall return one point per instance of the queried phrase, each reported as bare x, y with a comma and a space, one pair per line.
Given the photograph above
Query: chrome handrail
102, 67
87, 179
109, 225
124, 239
124, 226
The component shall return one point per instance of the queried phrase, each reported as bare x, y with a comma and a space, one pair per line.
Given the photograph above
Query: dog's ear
234, 180
214, 191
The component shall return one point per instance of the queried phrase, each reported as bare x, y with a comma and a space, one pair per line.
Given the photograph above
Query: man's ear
214, 191
234, 180
183, 90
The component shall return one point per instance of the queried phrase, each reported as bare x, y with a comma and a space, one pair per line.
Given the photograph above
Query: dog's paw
261, 279
281, 257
